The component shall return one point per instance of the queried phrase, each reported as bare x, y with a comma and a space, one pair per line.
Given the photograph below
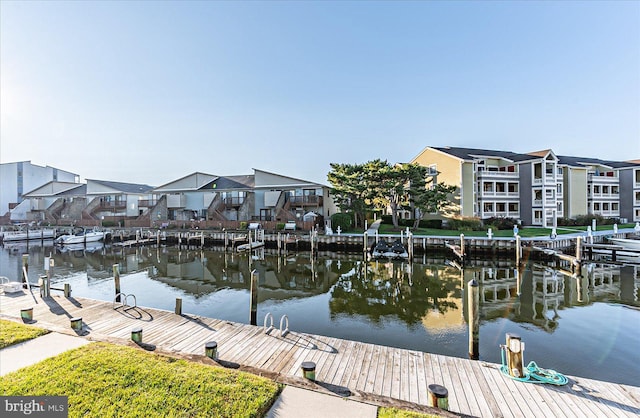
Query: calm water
586, 327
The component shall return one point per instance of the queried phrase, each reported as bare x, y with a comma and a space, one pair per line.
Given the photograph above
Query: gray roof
581, 161
231, 182
471, 153
126, 187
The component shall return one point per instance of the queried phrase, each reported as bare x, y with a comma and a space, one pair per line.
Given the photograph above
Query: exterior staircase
216, 209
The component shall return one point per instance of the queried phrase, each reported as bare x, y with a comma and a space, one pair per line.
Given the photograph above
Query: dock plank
475, 388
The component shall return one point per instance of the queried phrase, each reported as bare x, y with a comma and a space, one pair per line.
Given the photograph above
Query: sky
149, 92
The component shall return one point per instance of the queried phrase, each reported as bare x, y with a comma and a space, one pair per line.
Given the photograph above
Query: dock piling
474, 319
253, 315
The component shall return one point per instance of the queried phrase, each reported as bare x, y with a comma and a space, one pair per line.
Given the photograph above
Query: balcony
116, 204
147, 203
309, 200
233, 202
500, 174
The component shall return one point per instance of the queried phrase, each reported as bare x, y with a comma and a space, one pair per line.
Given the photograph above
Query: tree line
375, 185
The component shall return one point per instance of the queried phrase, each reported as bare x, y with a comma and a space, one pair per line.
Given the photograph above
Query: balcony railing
313, 200
115, 204
230, 202
147, 203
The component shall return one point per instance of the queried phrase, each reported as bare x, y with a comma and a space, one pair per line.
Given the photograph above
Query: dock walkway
368, 372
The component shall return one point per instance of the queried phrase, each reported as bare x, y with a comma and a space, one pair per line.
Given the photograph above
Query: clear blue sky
152, 91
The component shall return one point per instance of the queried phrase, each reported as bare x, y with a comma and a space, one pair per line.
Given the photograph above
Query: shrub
431, 223
108, 224
497, 223
342, 220
243, 225
279, 226
465, 224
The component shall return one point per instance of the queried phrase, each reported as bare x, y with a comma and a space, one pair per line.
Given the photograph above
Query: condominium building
536, 188
20, 177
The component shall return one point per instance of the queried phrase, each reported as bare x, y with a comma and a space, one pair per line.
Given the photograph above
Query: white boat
27, 234
626, 243
82, 237
394, 251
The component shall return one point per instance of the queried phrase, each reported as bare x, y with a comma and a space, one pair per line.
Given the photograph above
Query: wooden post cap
211, 344
439, 391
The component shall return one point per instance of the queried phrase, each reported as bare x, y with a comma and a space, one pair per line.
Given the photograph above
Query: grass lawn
14, 333
526, 232
399, 413
105, 380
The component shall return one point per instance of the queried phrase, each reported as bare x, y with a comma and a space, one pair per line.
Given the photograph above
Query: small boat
395, 251
8, 286
626, 243
26, 234
82, 236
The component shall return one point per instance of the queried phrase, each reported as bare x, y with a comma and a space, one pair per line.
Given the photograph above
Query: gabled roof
280, 180
191, 182
58, 188
124, 187
474, 153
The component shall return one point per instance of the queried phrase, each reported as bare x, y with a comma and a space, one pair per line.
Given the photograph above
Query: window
605, 189
596, 189
500, 188
614, 207
513, 207
537, 171
559, 189
487, 207
637, 197
488, 187
596, 206
615, 190
500, 207
637, 176
513, 187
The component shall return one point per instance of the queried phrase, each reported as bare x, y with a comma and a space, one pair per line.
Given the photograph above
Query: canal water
588, 326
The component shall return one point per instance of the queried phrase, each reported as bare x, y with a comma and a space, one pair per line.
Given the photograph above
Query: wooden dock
372, 373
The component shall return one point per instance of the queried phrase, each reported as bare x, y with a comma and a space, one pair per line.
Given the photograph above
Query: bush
498, 223
108, 224
243, 225
279, 226
342, 220
465, 224
585, 220
431, 223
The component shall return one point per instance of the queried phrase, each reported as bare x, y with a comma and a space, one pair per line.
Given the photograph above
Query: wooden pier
367, 372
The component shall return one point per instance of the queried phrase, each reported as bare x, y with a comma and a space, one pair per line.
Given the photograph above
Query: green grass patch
14, 333
105, 380
400, 413
523, 232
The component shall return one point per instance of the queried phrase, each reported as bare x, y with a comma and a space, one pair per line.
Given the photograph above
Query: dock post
76, 324
202, 240
518, 250
278, 242
308, 370
474, 319
211, 350
365, 244
116, 279
67, 290
178, 309
158, 239
25, 268
463, 254
410, 245
136, 335
49, 276
253, 316
26, 314
226, 239
438, 397
579, 249
514, 348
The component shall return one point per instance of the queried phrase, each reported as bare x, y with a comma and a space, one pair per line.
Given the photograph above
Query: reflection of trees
379, 289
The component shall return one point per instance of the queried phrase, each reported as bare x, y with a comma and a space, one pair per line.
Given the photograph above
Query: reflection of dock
377, 374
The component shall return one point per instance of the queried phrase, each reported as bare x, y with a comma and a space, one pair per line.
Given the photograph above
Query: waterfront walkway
358, 371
